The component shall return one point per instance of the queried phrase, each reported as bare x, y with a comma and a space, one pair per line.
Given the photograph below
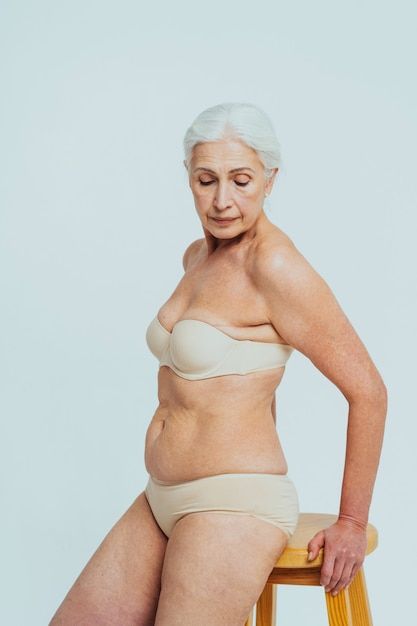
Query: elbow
375, 393
381, 392
385, 392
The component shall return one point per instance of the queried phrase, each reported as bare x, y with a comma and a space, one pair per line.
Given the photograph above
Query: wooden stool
349, 607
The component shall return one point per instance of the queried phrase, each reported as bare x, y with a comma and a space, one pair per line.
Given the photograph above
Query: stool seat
349, 607
295, 553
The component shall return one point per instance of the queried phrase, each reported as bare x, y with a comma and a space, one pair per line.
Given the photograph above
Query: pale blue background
96, 213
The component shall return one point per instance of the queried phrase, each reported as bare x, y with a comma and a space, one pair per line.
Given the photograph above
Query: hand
344, 552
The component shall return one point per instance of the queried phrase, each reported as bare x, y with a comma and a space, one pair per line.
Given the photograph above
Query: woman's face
228, 183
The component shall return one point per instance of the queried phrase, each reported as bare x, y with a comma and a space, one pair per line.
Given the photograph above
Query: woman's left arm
307, 315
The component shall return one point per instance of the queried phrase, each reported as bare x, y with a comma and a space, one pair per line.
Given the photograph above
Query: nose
222, 198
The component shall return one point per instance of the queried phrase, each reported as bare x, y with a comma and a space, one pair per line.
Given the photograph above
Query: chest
223, 294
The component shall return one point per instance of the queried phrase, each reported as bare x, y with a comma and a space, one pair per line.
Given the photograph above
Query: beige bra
197, 350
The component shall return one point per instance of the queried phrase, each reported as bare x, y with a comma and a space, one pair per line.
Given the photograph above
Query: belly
215, 426
180, 449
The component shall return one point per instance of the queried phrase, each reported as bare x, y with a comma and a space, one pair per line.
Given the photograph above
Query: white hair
241, 120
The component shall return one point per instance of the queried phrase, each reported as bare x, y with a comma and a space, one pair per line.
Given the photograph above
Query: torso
222, 424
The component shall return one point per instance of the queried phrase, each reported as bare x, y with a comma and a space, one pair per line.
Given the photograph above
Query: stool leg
266, 606
338, 609
359, 602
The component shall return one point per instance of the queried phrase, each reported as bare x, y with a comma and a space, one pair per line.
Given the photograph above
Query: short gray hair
241, 120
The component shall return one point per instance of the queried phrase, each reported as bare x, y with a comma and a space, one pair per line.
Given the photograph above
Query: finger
327, 567
315, 544
345, 577
338, 566
356, 566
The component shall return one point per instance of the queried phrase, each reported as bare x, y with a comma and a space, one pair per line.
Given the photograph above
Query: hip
268, 496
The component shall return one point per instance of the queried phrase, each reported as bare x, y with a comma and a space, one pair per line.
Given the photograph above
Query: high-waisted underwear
270, 497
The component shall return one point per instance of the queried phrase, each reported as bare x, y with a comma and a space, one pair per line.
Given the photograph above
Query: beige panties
270, 497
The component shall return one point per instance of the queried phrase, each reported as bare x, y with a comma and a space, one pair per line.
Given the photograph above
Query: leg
249, 621
120, 584
215, 568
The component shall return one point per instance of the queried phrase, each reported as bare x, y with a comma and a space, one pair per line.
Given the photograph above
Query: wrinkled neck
242, 239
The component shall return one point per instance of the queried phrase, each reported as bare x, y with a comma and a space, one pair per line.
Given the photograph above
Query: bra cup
196, 348
157, 339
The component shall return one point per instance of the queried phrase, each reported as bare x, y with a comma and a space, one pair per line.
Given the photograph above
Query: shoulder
296, 296
278, 263
304, 310
192, 250
298, 300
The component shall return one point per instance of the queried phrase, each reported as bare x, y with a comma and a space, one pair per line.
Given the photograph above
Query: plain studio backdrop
96, 213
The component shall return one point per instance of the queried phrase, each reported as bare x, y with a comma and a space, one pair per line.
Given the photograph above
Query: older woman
219, 504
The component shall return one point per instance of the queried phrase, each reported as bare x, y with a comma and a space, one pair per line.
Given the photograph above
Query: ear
271, 180
187, 173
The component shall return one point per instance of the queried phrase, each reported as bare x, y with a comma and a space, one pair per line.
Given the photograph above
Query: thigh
215, 568
120, 584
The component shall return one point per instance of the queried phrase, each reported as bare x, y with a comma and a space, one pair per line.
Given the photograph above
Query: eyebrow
236, 169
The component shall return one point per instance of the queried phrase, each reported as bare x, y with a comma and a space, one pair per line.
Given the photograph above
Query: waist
253, 392
224, 430
227, 475
207, 415
179, 448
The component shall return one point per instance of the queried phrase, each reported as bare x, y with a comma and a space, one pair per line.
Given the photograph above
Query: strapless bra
196, 350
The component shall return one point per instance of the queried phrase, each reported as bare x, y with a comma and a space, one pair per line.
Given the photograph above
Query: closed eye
210, 182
